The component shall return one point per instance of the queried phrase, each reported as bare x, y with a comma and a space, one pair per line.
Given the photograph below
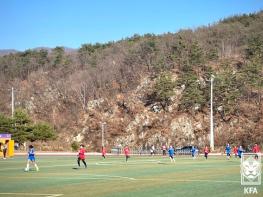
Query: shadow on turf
162, 163
77, 168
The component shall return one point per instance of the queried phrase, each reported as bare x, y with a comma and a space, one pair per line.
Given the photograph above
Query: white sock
36, 167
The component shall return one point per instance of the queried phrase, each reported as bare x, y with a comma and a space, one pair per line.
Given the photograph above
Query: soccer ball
26, 169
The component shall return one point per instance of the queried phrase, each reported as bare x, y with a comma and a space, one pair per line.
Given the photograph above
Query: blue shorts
31, 158
228, 154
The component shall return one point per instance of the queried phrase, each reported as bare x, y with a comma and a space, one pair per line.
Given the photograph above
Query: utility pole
13, 103
212, 146
102, 133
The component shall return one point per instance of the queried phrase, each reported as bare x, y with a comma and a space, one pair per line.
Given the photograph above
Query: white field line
51, 153
97, 163
32, 194
109, 177
129, 162
113, 176
84, 177
189, 180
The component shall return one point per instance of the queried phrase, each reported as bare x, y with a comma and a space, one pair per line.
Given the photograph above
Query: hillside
7, 51
147, 89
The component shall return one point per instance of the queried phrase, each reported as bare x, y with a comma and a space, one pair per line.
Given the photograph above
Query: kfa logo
250, 190
250, 172
251, 169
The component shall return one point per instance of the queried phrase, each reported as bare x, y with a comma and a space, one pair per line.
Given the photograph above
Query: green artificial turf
113, 177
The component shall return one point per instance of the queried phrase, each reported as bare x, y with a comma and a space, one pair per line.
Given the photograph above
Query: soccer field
113, 177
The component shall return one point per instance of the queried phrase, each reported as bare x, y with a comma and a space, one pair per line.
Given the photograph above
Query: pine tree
164, 89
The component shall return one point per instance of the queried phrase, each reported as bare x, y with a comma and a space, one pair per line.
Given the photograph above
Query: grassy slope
142, 176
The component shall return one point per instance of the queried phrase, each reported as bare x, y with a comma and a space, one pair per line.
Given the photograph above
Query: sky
27, 24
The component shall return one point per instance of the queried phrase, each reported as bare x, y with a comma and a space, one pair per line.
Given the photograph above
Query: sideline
52, 153
32, 194
189, 180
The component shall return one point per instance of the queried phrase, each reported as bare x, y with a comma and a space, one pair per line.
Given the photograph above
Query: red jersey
256, 149
235, 150
82, 153
126, 151
206, 150
103, 151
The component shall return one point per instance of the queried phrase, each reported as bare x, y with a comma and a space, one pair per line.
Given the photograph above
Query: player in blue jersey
240, 151
193, 152
31, 158
228, 151
171, 153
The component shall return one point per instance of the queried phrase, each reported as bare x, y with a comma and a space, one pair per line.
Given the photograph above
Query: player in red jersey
206, 151
103, 152
81, 156
235, 150
127, 153
164, 149
256, 150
